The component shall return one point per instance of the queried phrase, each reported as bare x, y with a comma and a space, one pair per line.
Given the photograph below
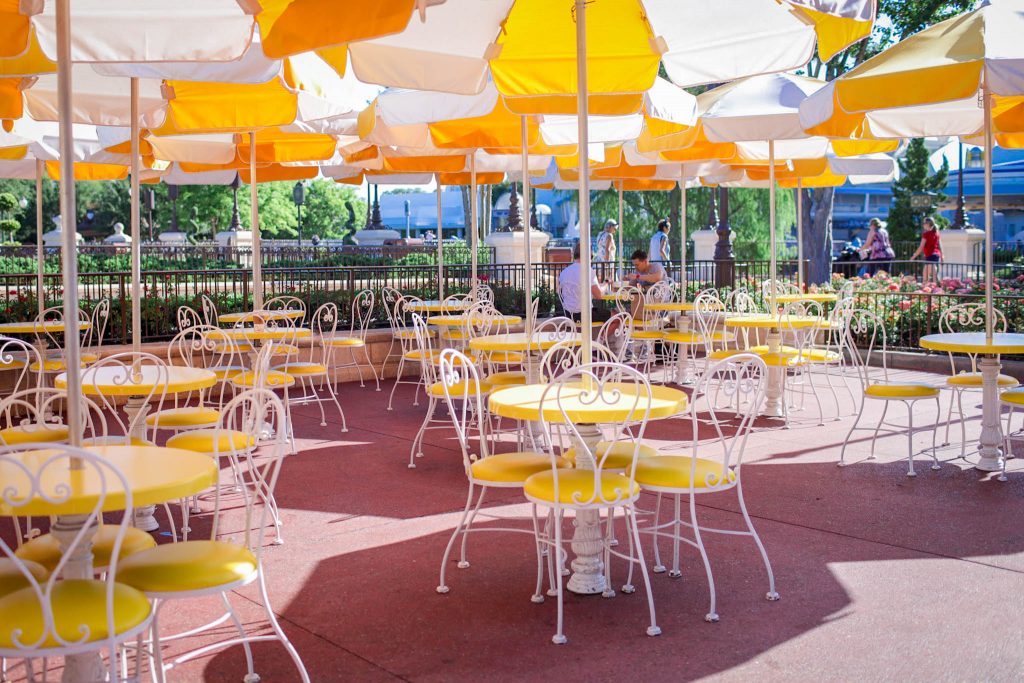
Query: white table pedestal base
87, 666
587, 540
136, 409
991, 451
773, 391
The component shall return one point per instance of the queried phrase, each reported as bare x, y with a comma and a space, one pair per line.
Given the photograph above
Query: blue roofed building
1007, 190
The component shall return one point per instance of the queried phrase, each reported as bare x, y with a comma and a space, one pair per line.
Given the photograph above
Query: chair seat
673, 472
116, 440
648, 334
410, 334
458, 389
435, 356
284, 350
820, 356
781, 360
187, 566
507, 357
189, 416
45, 550
507, 378
973, 379
273, 379
648, 324
33, 433
619, 454
763, 348
75, 603
902, 391
350, 342
212, 441
52, 365
89, 357
234, 347
577, 487
227, 371
11, 578
13, 364
1013, 397
301, 369
722, 354
511, 468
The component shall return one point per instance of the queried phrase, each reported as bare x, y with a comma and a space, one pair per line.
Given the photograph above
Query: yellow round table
526, 402
267, 333
818, 297
975, 343
617, 296
233, 318
520, 341
670, 306
764, 321
459, 320
154, 474
529, 402
109, 380
774, 324
437, 306
33, 327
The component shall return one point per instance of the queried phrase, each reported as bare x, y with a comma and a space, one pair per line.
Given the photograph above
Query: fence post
125, 307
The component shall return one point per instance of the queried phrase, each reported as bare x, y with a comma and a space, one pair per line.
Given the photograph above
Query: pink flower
894, 288
905, 305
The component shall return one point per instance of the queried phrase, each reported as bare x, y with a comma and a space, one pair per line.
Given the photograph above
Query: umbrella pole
799, 234
40, 288
254, 225
621, 256
682, 225
68, 212
473, 208
136, 245
440, 246
773, 263
582, 112
989, 144
527, 228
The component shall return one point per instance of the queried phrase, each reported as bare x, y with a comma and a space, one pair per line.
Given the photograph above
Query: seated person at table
569, 291
647, 272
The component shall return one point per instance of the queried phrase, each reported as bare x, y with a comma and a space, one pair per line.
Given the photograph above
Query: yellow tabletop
680, 306
765, 321
110, 381
437, 306
232, 318
617, 296
154, 474
820, 297
34, 327
520, 341
524, 403
268, 333
974, 342
457, 320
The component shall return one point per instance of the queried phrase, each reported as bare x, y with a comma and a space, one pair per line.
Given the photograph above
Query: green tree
915, 177
324, 212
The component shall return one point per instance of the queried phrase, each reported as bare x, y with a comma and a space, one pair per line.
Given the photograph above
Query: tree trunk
817, 234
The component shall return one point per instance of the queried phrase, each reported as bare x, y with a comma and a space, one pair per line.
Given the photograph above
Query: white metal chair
389, 298
17, 357
484, 469
361, 316
710, 467
969, 317
593, 486
210, 315
616, 334
403, 331
93, 335
263, 376
287, 304
125, 370
53, 360
188, 318
65, 611
220, 566
307, 373
875, 385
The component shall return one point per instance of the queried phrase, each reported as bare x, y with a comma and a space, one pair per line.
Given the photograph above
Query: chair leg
658, 567
949, 415
442, 587
874, 436
712, 615
417, 444
279, 632
559, 637
772, 594
334, 398
538, 542
463, 562
675, 572
963, 423
653, 629
935, 429
398, 377
243, 637
369, 364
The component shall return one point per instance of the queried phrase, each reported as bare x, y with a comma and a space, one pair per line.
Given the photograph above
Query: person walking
659, 248
931, 249
878, 247
606, 249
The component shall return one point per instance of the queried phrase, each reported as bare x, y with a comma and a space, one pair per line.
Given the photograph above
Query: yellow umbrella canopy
927, 85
